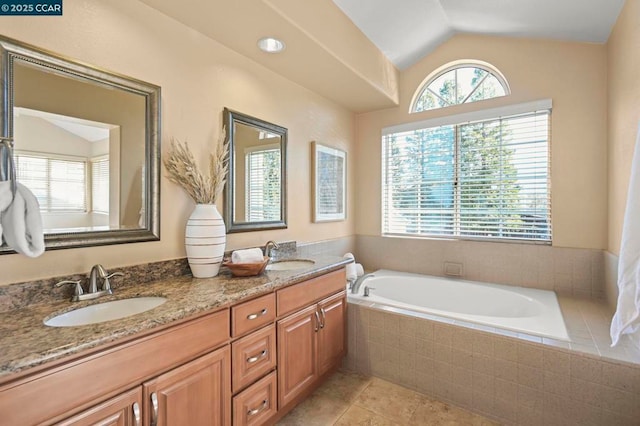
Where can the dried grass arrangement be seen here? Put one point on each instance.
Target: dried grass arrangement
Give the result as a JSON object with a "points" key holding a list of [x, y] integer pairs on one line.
{"points": [[183, 170]]}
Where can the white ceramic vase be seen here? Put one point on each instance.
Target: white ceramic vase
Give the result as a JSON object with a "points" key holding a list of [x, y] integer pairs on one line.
{"points": [[205, 240]]}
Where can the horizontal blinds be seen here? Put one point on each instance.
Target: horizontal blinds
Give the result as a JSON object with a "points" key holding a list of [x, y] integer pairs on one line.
{"points": [[483, 179], [263, 185], [58, 184], [100, 186]]}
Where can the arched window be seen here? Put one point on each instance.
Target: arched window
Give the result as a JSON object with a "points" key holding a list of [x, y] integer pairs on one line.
{"points": [[459, 83]]}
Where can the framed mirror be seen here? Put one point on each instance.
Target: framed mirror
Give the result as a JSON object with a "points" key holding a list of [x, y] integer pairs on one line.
{"points": [[256, 189], [86, 142]]}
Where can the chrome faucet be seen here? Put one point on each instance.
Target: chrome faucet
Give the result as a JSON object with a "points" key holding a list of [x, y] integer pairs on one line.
{"points": [[97, 273], [356, 285], [269, 246]]}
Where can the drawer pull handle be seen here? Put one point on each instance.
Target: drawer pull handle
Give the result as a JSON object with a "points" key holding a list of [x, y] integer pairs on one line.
{"points": [[317, 321], [136, 413], [255, 411], [253, 359], [257, 314], [154, 409], [324, 317]]}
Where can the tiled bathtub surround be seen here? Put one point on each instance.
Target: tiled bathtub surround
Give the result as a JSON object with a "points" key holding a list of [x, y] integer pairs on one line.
{"points": [[577, 272], [508, 378]]}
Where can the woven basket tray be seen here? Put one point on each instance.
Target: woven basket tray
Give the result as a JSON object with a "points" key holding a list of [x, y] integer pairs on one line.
{"points": [[246, 269]]}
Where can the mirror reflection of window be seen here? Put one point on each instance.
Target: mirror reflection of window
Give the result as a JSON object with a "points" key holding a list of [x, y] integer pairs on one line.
{"points": [[262, 165], [64, 161]]}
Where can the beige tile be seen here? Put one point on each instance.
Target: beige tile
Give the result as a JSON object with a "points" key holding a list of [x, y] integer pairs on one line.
{"points": [[392, 323], [424, 330], [587, 392], [531, 377], [483, 364], [506, 370], [389, 400], [461, 376], [362, 417], [556, 361], [586, 368], [317, 410], [407, 344], [531, 398], [530, 355], [462, 339], [462, 359], [506, 349], [434, 413], [483, 344], [376, 319], [556, 383], [443, 334], [506, 391], [408, 326], [425, 347], [344, 385], [621, 377], [442, 353], [376, 334]]}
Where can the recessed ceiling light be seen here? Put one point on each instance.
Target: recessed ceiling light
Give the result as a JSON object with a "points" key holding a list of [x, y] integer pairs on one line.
{"points": [[271, 45]]}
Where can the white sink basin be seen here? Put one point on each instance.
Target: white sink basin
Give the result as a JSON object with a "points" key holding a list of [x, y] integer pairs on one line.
{"points": [[289, 265], [106, 311]]}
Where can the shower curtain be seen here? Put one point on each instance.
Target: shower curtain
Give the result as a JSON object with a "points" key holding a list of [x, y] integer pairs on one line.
{"points": [[626, 320]]}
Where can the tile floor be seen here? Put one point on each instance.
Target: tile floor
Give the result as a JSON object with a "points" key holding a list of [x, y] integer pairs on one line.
{"points": [[351, 399]]}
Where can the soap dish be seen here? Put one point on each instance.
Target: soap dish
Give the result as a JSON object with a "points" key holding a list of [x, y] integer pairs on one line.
{"points": [[246, 269]]}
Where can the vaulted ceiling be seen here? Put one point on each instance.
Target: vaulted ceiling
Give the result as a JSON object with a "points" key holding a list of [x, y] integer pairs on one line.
{"points": [[351, 51]]}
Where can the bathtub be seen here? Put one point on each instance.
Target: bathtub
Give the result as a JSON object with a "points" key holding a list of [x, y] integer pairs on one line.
{"points": [[517, 309]]}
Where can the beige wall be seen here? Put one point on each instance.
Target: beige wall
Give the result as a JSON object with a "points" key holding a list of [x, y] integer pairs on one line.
{"points": [[573, 75], [623, 69], [199, 77]]}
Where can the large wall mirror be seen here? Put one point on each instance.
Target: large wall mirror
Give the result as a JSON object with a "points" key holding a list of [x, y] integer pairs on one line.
{"points": [[256, 189], [86, 143]]}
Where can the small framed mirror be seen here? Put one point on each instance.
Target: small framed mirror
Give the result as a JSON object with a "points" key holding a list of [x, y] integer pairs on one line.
{"points": [[86, 143], [256, 189]]}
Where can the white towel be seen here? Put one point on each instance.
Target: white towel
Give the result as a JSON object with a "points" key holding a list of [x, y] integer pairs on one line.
{"points": [[5, 200], [627, 317], [253, 255], [22, 224]]}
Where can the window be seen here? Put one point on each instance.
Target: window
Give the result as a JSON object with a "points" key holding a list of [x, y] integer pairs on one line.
{"points": [[486, 178], [262, 184], [58, 183], [100, 185], [459, 84]]}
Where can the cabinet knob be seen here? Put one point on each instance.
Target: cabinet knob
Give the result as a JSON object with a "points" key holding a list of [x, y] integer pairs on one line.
{"points": [[154, 409], [257, 314], [136, 413], [255, 411]]}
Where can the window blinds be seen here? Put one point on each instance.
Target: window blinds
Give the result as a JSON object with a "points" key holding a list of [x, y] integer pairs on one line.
{"points": [[486, 179], [263, 185], [58, 184], [100, 185]]}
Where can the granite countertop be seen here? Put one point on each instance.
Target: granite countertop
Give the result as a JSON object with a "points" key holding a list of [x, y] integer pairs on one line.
{"points": [[26, 342]]}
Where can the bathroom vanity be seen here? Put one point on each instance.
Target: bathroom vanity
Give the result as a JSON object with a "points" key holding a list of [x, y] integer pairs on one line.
{"points": [[221, 351]]}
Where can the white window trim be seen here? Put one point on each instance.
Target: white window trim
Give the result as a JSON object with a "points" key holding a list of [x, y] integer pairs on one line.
{"points": [[471, 63], [467, 117], [459, 119]]}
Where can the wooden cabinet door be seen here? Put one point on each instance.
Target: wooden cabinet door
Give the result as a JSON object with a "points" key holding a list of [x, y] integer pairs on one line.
{"points": [[297, 349], [331, 337], [122, 410], [195, 394]]}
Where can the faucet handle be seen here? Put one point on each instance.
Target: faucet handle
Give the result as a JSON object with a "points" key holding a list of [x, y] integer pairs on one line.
{"points": [[106, 286], [77, 292]]}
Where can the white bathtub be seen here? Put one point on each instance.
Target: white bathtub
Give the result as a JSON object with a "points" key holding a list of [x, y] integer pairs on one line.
{"points": [[519, 309]]}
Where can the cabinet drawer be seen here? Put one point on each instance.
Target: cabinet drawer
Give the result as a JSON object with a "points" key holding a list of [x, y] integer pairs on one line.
{"points": [[300, 295], [253, 356], [256, 404], [253, 314]]}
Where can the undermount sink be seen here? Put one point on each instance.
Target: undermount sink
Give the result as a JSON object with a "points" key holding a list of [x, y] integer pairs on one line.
{"points": [[106, 311], [289, 265]]}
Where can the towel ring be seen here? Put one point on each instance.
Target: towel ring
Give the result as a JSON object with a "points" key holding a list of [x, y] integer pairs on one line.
{"points": [[7, 166]]}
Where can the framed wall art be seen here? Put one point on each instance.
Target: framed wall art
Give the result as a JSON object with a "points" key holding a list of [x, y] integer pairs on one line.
{"points": [[329, 183]]}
